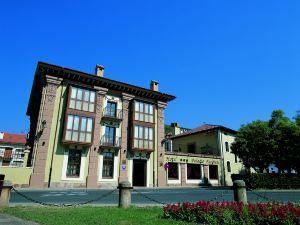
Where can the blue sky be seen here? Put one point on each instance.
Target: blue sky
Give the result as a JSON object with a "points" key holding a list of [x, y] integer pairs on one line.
{"points": [[228, 62]]}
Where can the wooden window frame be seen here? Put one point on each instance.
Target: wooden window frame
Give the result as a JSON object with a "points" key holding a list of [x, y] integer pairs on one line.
{"points": [[143, 139], [75, 151], [109, 160], [144, 111], [84, 90]]}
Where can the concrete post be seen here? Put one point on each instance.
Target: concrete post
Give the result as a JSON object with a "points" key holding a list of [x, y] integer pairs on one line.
{"points": [[124, 194], [239, 191], [5, 194]]}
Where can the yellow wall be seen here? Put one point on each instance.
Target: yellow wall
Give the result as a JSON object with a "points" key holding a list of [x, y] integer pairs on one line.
{"points": [[201, 140], [17, 175]]}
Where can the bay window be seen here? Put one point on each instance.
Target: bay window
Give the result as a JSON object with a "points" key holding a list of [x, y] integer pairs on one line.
{"points": [[82, 99], [143, 112], [79, 129], [143, 137]]}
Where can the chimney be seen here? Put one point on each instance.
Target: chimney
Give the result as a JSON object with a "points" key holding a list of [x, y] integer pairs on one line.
{"points": [[154, 85], [99, 71], [1, 135]]}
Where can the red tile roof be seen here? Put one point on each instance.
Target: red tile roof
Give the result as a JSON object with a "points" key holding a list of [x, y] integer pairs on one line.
{"points": [[203, 128], [13, 138]]}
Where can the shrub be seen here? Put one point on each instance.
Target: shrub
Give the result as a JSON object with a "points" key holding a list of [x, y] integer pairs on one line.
{"points": [[268, 180], [204, 212]]}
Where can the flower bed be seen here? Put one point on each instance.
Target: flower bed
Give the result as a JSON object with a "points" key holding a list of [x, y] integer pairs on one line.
{"points": [[204, 212]]}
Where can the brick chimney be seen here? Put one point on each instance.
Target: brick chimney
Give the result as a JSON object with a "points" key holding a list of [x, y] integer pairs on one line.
{"points": [[154, 85], [99, 71]]}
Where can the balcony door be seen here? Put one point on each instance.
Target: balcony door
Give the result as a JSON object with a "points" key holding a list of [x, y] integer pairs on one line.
{"points": [[111, 109], [110, 133]]}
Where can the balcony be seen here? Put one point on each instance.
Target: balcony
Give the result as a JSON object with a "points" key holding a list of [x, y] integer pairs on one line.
{"points": [[180, 148], [112, 114], [110, 142]]}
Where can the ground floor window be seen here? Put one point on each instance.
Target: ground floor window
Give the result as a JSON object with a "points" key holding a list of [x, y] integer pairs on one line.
{"points": [[228, 167], [213, 172], [193, 171], [108, 165], [74, 162], [173, 171]]}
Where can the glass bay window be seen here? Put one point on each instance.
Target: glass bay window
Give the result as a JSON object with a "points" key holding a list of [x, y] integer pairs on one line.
{"points": [[82, 99], [79, 129], [144, 112], [143, 137]]}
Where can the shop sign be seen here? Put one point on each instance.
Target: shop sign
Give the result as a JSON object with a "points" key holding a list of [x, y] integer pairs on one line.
{"points": [[191, 160]]}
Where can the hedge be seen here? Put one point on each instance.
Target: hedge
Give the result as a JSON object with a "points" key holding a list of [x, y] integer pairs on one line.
{"points": [[269, 180]]}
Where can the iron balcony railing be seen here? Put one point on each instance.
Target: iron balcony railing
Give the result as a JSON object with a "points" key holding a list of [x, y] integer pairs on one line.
{"points": [[109, 141], [112, 113]]}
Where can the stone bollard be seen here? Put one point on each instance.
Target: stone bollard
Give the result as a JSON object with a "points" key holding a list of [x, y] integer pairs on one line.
{"points": [[239, 191], [124, 194], [5, 194]]}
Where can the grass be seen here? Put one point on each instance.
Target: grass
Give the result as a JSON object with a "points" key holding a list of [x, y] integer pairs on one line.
{"points": [[91, 215]]}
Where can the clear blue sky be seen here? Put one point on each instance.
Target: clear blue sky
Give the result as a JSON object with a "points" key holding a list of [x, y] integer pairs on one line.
{"points": [[228, 62]]}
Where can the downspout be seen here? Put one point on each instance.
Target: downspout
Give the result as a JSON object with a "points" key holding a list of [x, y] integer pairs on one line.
{"points": [[222, 155], [55, 137]]}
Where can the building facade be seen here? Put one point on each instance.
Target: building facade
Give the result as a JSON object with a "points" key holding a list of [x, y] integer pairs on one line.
{"points": [[90, 131], [201, 156]]}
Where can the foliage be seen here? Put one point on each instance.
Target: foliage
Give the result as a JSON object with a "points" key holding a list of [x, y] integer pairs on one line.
{"points": [[269, 180], [277, 141], [90, 215], [204, 212], [168, 129]]}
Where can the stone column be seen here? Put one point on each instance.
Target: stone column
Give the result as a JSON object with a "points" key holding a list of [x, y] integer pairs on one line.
{"points": [[206, 178], [92, 178], [37, 178], [161, 172], [123, 174], [25, 159], [183, 168]]}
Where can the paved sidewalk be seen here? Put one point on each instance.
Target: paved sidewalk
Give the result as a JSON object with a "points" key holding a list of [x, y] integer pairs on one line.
{"points": [[11, 220]]}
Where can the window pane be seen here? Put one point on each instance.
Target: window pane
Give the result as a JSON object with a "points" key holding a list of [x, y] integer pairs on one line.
{"points": [[150, 144], [136, 144], [146, 145], [75, 136], [88, 137], [141, 107], [89, 125], [150, 133], [82, 137], [68, 135], [78, 105], [141, 117], [146, 118], [141, 144], [70, 122], [146, 133], [92, 96], [141, 132], [76, 123], [85, 106], [151, 109], [86, 95], [92, 107], [79, 94], [146, 108], [151, 119], [136, 106], [73, 92], [136, 131], [83, 124], [72, 104], [137, 115]]}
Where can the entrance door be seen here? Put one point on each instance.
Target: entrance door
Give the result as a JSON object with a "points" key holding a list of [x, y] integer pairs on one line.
{"points": [[139, 175]]}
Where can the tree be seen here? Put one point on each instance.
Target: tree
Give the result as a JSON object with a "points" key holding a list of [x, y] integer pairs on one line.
{"points": [[254, 145], [297, 118]]}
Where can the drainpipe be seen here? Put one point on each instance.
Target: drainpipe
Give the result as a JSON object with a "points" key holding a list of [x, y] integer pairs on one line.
{"points": [[55, 137], [222, 155]]}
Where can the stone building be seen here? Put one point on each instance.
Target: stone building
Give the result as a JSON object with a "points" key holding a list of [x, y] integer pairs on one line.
{"points": [[89, 131]]}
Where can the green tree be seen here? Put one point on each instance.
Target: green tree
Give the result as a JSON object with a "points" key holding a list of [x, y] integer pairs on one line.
{"points": [[254, 145]]}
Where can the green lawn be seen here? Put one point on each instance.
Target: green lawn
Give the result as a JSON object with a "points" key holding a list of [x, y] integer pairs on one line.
{"points": [[91, 215]]}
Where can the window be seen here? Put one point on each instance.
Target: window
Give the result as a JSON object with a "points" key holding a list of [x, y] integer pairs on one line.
{"points": [[108, 165], [143, 137], [82, 99], [191, 148], [168, 146], [109, 137], [143, 112], [111, 109], [226, 146], [74, 161], [193, 171], [213, 172], [173, 173], [235, 158], [7, 157], [228, 167], [79, 129]]}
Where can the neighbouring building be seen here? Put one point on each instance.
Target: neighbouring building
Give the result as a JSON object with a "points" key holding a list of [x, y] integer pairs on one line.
{"points": [[201, 156], [12, 147], [90, 131]]}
